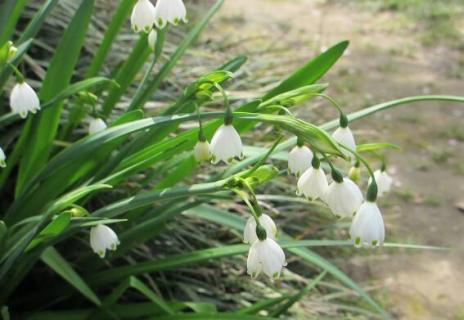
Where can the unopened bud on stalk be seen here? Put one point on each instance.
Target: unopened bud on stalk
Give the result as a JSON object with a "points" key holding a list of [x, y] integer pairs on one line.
{"points": [[2, 158], [355, 172]]}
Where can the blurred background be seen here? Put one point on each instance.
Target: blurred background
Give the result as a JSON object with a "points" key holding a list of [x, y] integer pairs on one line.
{"points": [[398, 48]]}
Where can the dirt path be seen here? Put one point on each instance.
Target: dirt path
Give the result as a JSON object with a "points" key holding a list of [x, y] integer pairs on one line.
{"points": [[385, 61]]}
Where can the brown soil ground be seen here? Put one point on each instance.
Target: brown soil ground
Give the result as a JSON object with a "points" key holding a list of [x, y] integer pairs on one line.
{"points": [[385, 60]]}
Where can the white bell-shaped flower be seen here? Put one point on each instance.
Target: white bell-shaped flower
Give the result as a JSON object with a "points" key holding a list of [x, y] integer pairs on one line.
{"points": [[345, 137], [265, 256], [343, 198], [152, 37], [143, 16], [299, 160], [367, 228], [2, 158], [103, 238], [384, 181], [249, 233], [172, 11], [23, 99], [313, 184], [202, 151], [226, 144], [96, 125]]}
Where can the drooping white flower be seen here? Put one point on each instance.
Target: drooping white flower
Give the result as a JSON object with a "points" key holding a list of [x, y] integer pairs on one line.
{"points": [[265, 256], [226, 144], [2, 158], [202, 151], [343, 198], [299, 160], [313, 183], [384, 181], [96, 125], [103, 238], [367, 228], [152, 36], [249, 233], [23, 99], [143, 16], [172, 11], [345, 137]]}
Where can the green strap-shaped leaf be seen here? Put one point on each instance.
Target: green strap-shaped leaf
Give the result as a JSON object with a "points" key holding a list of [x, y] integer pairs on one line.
{"points": [[55, 261], [35, 24], [127, 73], [58, 77], [52, 230], [310, 72], [297, 297], [368, 147], [117, 21], [10, 11]]}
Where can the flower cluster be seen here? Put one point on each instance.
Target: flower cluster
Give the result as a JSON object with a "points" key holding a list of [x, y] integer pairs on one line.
{"points": [[149, 18], [343, 196]]}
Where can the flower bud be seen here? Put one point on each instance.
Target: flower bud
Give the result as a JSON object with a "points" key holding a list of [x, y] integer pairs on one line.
{"points": [[2, 159], [202, 151]]}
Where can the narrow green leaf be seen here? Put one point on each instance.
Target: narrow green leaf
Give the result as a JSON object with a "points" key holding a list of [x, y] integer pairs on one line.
{"points": [[55, 261], [127, 73], [261, 305], [281, 309], [375, 146], [36, 23], [311, 71], [147, 292], [116, 22], [214, 316], [52, 230], [73, 196], [57, 79], [10, 11]]}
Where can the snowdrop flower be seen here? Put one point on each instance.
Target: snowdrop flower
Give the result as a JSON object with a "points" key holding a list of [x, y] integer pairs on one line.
{"points": [[384, 181], [344, 136], [299, 159], [343, 196], [152, 36], [367, 228], [143, 16], [96, 125], [313, 183], [2, 158], [202, 151], [103, 238], [226, 144], [23, 99], [265, 256], [172, 11], [249, 233]]}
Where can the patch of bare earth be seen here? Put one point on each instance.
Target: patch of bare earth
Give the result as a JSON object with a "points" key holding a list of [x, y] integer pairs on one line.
{"points": [[385, 61]]}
